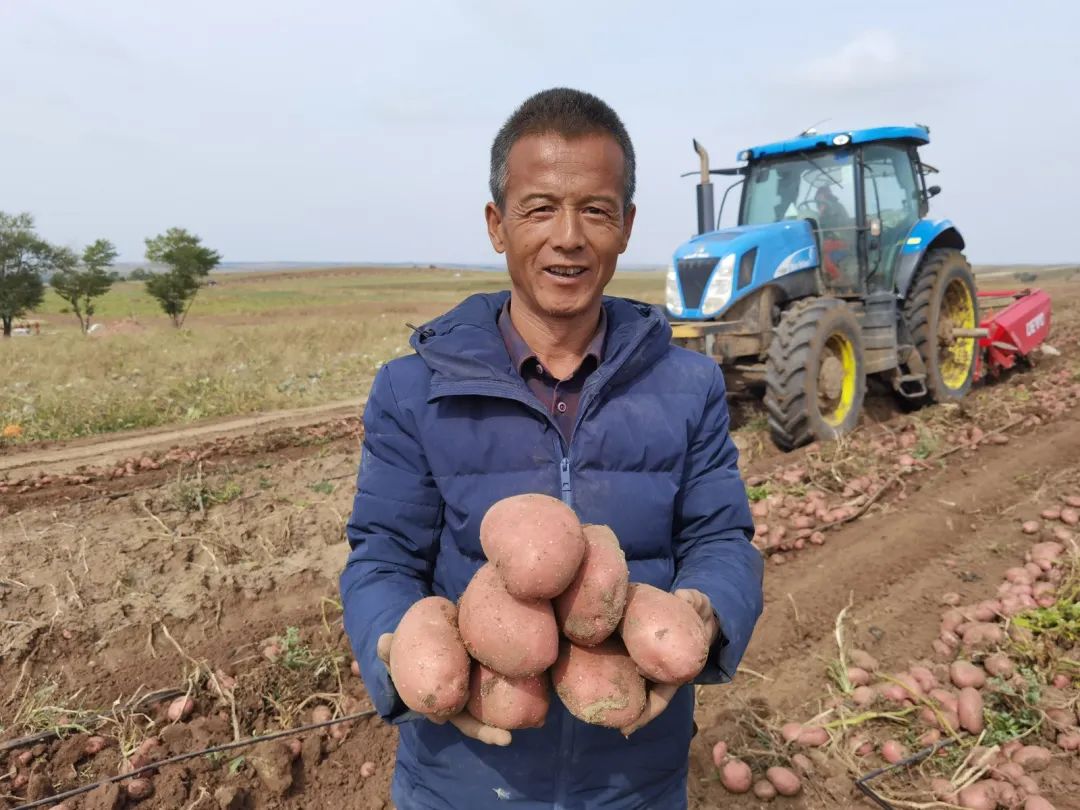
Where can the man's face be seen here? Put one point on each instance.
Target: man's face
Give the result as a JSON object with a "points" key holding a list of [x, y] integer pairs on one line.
{"points": [[563, 226]]}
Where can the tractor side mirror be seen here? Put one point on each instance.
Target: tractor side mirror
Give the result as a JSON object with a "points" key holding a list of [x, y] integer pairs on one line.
{"points": [[933, 191]]}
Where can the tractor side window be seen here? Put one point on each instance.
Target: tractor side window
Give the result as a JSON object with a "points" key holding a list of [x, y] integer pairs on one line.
{"points": [[892, 198]]}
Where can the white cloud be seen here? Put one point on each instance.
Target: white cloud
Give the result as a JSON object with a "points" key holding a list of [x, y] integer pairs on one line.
{"points": [[872, 61]]}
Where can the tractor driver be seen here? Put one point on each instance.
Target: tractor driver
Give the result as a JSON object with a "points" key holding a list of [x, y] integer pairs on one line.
{"points": [[832, 216], [836, 227]]}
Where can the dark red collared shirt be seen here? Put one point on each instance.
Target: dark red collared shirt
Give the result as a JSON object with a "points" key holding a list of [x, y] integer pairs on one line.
{"points": [[560, 397]]}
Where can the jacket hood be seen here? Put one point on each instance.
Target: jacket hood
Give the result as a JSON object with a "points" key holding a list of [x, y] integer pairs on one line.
{"points": [[465, 345]]}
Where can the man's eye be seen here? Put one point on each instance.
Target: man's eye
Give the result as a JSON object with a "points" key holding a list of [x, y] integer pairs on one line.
{"points": [[594, 211], [543, 209]]}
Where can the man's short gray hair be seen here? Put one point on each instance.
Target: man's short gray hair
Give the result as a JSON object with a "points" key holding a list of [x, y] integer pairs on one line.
{"points": [[565, 112]]}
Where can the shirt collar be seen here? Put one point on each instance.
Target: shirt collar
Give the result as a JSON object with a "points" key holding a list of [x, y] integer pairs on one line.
{"points": [[519, 350]]}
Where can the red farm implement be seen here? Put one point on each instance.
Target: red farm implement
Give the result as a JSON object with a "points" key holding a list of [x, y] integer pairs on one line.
{"points": [[1014, 323]]}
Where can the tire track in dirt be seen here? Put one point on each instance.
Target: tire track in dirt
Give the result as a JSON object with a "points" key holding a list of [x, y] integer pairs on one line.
{"points": [[107, 449]]}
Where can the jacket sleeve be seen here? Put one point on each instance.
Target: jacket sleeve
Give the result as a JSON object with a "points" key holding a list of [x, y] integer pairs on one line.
{"points": [[393, 536], [712, 533]]}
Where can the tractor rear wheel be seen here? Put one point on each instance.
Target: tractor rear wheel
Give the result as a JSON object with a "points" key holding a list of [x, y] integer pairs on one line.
{"points": [[814, 380], [942, 298]]}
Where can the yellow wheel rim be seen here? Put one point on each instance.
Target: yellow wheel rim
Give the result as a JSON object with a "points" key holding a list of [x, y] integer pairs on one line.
{"points": [[956, 353], [837, 380]]}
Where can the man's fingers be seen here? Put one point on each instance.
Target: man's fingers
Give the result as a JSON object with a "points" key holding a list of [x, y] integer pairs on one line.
{"points": [[658, 699], [703, 607], [382, 648], [471, 727]]}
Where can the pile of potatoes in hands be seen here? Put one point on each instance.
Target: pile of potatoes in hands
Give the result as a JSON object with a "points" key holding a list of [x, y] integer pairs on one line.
{"points": [[553, 606]]}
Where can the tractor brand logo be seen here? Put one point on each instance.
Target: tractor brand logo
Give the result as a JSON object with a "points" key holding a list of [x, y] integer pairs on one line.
{"points": [[1035, 324]]}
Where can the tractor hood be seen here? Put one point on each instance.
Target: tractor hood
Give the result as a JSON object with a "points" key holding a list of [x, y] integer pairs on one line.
{"points": [[714, 270]]}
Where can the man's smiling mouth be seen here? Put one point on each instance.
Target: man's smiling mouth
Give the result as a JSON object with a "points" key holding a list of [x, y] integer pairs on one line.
{"points": [[565, 272]]}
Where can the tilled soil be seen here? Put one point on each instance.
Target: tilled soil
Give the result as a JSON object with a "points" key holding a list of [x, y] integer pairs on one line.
{"points": [[182, 564]]}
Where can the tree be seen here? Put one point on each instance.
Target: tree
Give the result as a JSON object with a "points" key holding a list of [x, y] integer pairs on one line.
{"points": [[188, 262], [24, 258], [80, 286]]}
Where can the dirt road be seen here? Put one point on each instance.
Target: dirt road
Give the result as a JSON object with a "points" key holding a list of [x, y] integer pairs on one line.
{"points": [[188, 572]]}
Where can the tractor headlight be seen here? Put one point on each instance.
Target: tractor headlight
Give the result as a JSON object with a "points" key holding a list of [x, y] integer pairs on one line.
{"points": [[720, 287], [674, 298]]}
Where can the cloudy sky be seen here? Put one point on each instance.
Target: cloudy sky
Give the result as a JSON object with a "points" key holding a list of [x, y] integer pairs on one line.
{"points": [[324, 131]]}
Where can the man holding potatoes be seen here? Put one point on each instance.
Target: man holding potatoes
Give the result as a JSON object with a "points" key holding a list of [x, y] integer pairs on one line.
{"points": [[580, 402]]}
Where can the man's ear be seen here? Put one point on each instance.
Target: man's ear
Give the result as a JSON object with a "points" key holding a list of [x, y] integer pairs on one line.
{"points": [[494, 219], [628, 226]]}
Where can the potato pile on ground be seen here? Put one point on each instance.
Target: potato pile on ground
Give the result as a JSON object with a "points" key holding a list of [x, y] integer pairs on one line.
{"points": [[552, 607], [995, 706]]}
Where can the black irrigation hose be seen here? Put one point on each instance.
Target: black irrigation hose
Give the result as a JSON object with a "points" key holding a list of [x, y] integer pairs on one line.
{"points": [[290, 732], [868, 791], [153, 697]]}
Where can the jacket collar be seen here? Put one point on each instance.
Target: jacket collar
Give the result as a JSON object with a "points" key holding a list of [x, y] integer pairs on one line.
{"points": [[466, 353]]}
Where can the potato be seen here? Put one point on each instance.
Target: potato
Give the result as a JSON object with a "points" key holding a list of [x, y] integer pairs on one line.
{"points": [[764, 790], [535, 543], [813, 737], [601, 684], [863, 695], [719, 753], [735, 776], [791, 731], [590, 608], [1032, 758], [970, 710], [981, 795], [512, 636], [924, 677], [180, 709], [1030, 527], [944, 697], [999, 665], [428, 662], [858, 676], [863, 660], [892, 751], [964, 673], [664, 635], [1037, 803], [785, 781], [139, 789], [508, 703], [1069, 742]]}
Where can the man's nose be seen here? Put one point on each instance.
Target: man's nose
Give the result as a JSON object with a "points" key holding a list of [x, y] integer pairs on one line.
{"points": [[568, 233]]}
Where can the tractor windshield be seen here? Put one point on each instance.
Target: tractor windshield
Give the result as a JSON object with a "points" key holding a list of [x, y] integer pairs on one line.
{"points": [[819, 186]]}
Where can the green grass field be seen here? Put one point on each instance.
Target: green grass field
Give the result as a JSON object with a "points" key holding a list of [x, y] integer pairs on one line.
{"points": [[251, 343]]}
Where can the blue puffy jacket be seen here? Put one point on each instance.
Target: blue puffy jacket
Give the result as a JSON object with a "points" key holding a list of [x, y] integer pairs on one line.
{"points": [[452, 429]]}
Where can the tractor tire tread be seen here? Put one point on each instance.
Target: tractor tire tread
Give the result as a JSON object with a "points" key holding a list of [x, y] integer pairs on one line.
{"points": [[786, 363]]}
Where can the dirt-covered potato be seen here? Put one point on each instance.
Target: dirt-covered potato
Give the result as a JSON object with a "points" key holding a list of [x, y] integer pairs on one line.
{"points": [[508, 703], [664, 635], [600, 684], [512, 636], [535, 542], [591, 607], [428, 662]]}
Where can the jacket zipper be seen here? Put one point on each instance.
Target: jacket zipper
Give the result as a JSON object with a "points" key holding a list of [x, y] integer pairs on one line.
{"points": [[564, 478]]}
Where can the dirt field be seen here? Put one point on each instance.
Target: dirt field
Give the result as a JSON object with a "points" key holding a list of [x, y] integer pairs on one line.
{"points": [[187, 559]]}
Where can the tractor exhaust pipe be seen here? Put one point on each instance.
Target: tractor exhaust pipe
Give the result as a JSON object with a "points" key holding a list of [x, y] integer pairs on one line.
{"points": [[704, 193]]}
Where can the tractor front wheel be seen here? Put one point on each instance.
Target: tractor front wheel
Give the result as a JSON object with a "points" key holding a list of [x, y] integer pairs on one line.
{"points": [[942, 299], [814, 382]]}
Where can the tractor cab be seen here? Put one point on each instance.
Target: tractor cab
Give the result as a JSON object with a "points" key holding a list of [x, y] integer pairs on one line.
{"points": [[843, 205]]}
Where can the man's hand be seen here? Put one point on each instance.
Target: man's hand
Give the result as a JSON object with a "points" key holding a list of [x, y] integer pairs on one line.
{"points": [[660, 694], [463, 721], [703, 607]]}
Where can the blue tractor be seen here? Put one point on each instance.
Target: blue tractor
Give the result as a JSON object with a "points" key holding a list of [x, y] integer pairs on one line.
{"points": [[835, 274]]}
